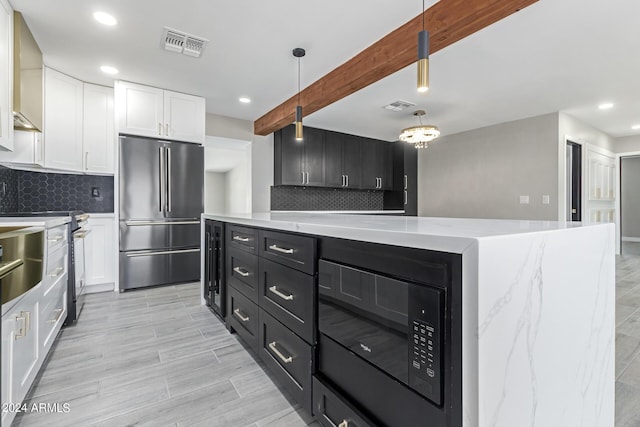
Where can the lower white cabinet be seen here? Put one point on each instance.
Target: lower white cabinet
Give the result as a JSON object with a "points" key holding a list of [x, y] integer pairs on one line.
{"points": [[99, 253], [20, 351]]}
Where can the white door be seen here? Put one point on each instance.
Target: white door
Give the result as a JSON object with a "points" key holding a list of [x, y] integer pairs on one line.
{"points": [[139, 109], [184, 117], [62, 121], [98, 129], [600, 186], [6, 70]]}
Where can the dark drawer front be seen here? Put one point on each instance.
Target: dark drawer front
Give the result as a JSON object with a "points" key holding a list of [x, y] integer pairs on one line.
{"points": [[242, 273], [243, 318], [331, 410], [243, 238], [294, 251], [288, 357], [287, 295]]}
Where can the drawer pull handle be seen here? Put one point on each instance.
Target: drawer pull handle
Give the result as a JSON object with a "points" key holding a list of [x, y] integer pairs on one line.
{"points": [[56, 238], [240, 316], [57, 272], [279, 249], [241, 239], [58, 312], [22, 332], [241, 272], [344, 423], [275, 290], [273, 347]]}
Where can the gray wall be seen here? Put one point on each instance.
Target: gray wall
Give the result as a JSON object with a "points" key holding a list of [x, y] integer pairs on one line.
{"points": [[627, 144], [630, 197], [481, 173], [215, 192]]}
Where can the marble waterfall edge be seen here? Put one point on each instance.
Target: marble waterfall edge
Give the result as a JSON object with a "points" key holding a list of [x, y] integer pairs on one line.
{"points": [[539, 341]]}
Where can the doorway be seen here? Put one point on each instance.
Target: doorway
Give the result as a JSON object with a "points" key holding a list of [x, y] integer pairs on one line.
{"points": [[630, 205], [574, 181]]}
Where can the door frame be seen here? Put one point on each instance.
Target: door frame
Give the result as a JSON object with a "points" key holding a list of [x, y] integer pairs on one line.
{"points": [[562, 205], [619, 157]]}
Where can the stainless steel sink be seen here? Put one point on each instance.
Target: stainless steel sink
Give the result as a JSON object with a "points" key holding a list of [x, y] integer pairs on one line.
{"points": [[21, 260]]}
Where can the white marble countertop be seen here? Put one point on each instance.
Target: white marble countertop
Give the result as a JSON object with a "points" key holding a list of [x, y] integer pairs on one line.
{"points": [[34, 221], [378, 212], [442, 234]]}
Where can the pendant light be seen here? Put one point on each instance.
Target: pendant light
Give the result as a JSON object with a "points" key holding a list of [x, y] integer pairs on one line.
{"points": [[299, 53], [420, 136], [423, 57]]}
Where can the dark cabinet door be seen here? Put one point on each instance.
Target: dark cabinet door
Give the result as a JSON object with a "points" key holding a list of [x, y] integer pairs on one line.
{"points": [[208, 258], [333, 167], [290, 155], [410, 180], [351, 161], [386, 166], [370, 164], [314, 157]]}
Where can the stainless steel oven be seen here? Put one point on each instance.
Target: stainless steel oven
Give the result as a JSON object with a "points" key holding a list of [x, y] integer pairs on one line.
{"points": [[79, 264]]}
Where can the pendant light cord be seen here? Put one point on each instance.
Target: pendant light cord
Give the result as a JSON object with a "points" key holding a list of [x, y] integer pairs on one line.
{"points": [[422, 15], [299, 80]]}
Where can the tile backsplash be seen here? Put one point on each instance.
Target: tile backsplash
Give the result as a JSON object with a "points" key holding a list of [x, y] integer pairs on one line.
{"points": [[324, 199], [26, 191]]}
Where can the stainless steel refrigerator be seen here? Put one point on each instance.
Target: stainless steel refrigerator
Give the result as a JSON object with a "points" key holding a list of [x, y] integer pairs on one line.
{"points": [[161, 185]]}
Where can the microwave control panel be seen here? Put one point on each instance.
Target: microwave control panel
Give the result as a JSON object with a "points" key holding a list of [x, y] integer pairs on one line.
{"points": [[425, 341]]}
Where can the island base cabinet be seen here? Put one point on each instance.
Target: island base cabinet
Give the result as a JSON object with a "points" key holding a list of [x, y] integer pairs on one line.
{"points": [[331, 410], [288, 357], [242, 317]]}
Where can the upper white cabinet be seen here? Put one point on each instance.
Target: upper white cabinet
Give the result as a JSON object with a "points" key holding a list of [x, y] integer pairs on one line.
{"points": [[153, 112], [6, 71], [98, 129], [62, 121]]}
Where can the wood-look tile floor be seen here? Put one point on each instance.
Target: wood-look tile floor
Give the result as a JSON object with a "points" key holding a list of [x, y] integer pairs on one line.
{"points": [[156, 357]]}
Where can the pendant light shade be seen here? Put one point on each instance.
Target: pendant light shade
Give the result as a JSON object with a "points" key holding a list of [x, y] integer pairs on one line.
{"points": [[299, 53], [423, 61], [423, 57]]}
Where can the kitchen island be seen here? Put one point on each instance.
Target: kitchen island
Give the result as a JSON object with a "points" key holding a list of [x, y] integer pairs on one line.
{"points": [[521, 315]]}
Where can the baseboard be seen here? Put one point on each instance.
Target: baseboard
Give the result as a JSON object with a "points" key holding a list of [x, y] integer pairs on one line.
{"points": [[102, 287]]}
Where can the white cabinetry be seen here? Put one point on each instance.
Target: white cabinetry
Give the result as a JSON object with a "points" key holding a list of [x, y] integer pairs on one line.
{"points": [[20, 350], [62, 121], [6, 70], [28, 149], [153, 112], [100, 253], [98, 129]]}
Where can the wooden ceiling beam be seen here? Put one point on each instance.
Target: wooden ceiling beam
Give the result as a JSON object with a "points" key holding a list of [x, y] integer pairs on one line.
{"points": [[448, 21]]}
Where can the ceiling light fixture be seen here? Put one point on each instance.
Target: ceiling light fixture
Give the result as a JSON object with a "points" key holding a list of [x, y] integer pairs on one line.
{"points": [[299, 53], [244, 100], [104, 18], [635, 127], [421, 135], [108, 69], [605, 106], [423, 57]]}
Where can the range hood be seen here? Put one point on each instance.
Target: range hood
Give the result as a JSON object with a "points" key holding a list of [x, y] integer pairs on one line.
{"points": [[27, 78]]}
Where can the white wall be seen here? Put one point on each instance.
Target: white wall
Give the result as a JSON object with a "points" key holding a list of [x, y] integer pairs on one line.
{"points": [[627, 144], [481, 173], [214, 192], [238, 186], [581, 132], [260, 162]]}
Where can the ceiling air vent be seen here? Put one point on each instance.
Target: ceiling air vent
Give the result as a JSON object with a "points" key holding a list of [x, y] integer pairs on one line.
{"points": [[181, 42], [399, 105]]}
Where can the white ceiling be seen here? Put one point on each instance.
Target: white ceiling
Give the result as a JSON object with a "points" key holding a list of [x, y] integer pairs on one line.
{"points": [[556, 55]]}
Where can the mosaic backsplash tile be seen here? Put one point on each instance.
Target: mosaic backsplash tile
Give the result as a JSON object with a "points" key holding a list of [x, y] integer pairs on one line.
{"points": [[324, 199], [40, 191]]}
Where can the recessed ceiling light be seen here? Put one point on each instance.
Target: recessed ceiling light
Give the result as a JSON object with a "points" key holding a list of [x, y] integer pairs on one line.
{"points": [[605, 106], [244, 100], [104, 18], [635, 127], [108, 70]]}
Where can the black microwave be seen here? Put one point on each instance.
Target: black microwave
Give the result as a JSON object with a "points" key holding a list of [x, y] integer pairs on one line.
{"points": [[394, 325]]}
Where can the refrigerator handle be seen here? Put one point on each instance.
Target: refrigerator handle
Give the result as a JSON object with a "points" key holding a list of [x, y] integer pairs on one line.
{"points": [[161, 173], [169, 189]]}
